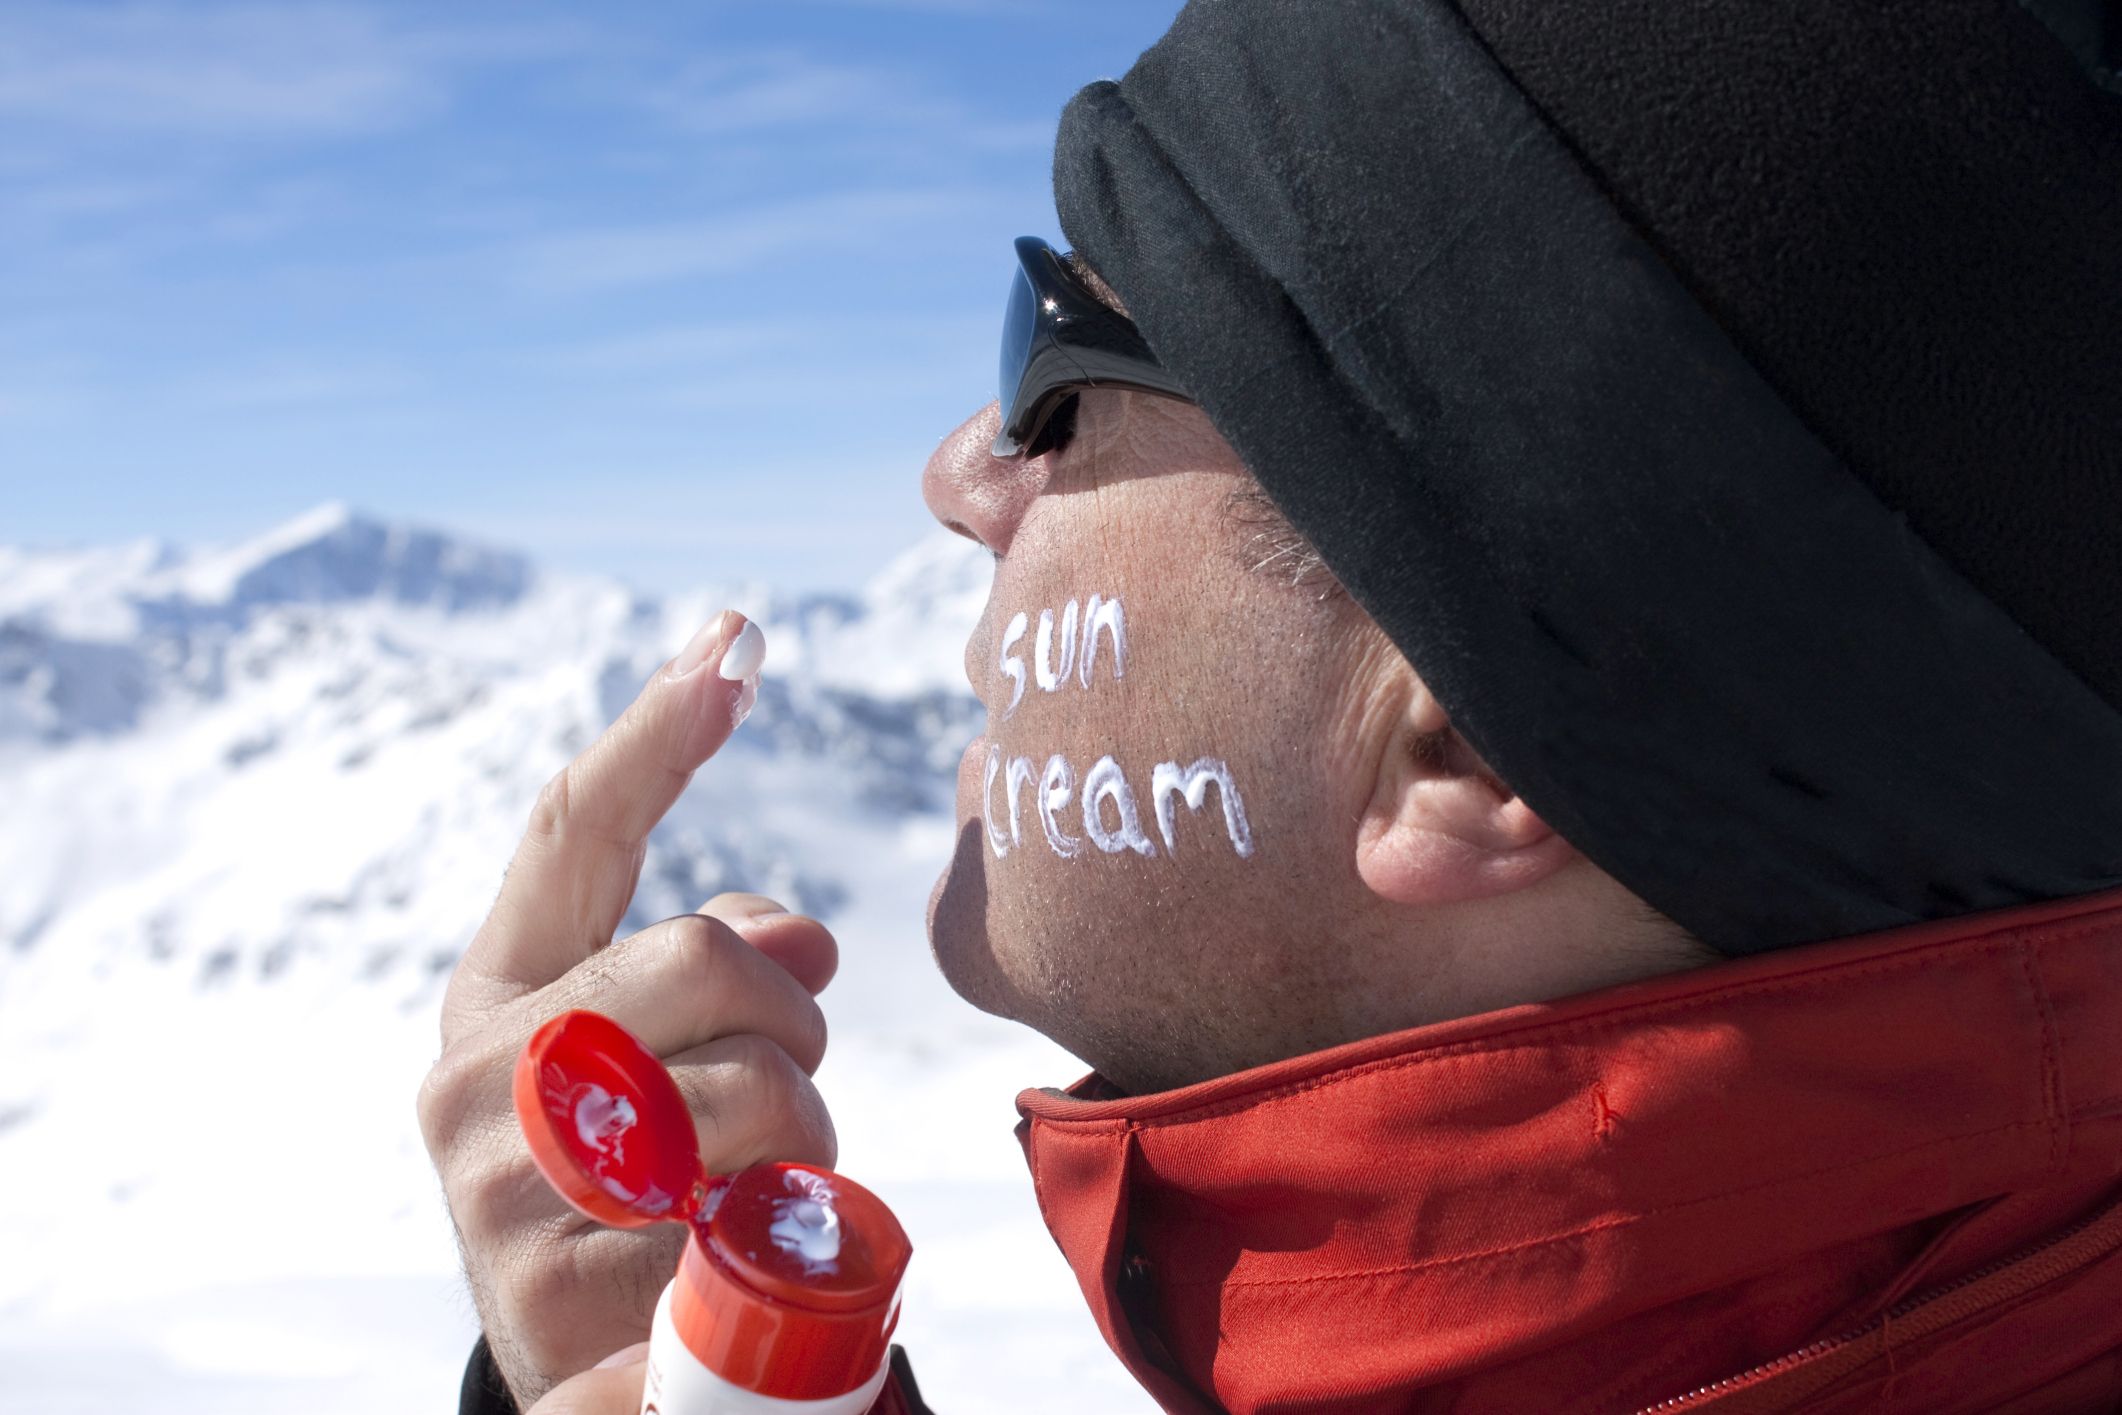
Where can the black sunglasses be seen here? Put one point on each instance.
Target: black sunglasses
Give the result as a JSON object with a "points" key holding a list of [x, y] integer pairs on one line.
{"points": [[1057, 339]]}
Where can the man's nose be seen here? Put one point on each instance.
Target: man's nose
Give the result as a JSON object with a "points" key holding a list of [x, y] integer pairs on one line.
{"points": [[976, 493]]}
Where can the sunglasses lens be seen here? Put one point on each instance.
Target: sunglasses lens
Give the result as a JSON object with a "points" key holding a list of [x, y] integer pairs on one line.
{"points": [[1019, 326]]}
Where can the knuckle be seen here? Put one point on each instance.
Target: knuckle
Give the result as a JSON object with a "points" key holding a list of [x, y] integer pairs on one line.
{"points": [[811, 1038], [473, 1195], [814, 1132], [709, 963], [443, 1099], [761, 1106], [697, 952], [696, 932], [550, 810], [763, 1076]]}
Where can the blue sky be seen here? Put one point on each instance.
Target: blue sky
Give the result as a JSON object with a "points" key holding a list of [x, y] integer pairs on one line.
{"points": [[679, 291]]}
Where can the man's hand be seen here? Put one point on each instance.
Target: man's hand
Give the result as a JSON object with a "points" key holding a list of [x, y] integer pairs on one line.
{"points": [[724, 996]]}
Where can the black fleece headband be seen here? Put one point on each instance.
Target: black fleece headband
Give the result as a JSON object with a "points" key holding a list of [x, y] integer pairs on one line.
{"points": [[1674, 621]]}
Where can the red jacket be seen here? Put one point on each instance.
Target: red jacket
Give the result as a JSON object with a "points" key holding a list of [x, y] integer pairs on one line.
{"points": [[1879, 1173]]}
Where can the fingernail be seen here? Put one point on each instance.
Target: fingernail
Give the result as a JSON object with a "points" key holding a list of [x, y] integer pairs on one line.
{"points": [[745, 655], [700, 645], [747, 698], [637, 1352], [758, 906]]}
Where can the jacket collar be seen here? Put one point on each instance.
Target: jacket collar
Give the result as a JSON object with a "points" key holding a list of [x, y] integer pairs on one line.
{"points": [[1525, 1204]]}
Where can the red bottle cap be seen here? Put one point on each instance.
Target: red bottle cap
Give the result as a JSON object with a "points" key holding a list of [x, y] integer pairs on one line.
{"points": [[790, 1283], [606, 1122]]}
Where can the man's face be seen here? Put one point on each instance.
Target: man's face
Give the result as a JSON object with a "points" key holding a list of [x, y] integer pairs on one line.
{"points": [[1154, 847]]}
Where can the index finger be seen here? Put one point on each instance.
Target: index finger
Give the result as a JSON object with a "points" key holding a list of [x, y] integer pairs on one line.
{"points": [[574, 872]]}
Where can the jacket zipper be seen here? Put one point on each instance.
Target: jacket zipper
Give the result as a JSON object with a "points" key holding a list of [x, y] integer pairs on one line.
{"points": [[2087, 1241]]}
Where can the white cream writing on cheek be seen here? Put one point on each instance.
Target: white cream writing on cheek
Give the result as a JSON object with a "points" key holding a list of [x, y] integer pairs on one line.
{"points": [[1013, 666], [1050, 674], [987, 802], [1168, 779], [1056, 786], [1105, 613], [1020, 774], [1071, 643], [1063, 647], [1106, 782]]}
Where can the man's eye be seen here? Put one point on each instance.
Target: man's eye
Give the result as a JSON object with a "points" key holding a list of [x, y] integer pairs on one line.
{"points": [[1060, 429]]}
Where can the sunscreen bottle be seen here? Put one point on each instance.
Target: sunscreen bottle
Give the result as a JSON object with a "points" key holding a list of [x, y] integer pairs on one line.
{"points": [[785, 1299]]}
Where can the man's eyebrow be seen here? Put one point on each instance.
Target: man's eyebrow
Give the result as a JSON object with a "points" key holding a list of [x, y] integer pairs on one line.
{"points": [[1105, 293]]}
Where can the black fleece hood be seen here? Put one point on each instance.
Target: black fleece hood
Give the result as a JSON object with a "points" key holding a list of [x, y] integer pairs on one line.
{"points": [[1720, 404]]}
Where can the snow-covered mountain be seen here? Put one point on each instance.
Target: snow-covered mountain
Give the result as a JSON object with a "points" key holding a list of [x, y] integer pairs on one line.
{"points": [[254, 799]]}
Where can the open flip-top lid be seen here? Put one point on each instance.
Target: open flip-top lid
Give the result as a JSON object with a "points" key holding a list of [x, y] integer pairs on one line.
{"points": [[606, 1123]]}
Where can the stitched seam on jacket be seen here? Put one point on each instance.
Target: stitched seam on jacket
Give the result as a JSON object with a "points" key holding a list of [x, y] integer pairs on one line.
{"points": [[2051, 1060], [1602, 1225], [1543, 1035]]}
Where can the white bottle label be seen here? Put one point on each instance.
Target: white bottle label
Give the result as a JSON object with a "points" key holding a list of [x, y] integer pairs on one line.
{"points": [[678, 1384]]}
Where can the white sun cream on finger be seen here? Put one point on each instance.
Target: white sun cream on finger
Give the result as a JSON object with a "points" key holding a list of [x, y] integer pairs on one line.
{"points": [[745, 655]]}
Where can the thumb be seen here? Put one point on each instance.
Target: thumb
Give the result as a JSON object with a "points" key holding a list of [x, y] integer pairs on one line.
{"points": [[604, 1389]]}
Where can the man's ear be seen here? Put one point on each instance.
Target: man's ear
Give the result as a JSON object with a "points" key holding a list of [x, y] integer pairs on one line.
{"points": [[1440, 827]]}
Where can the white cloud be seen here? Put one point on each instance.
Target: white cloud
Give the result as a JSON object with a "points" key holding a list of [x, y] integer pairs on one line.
{"points": [[656, 252], [758, 90], [1006, 9], [23, 404], [729, 93], [230, 70], [290, 384], [678, 347], [71, 198]]}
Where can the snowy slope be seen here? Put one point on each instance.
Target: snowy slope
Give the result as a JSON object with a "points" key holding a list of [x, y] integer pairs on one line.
{"points": [[255, 798]]}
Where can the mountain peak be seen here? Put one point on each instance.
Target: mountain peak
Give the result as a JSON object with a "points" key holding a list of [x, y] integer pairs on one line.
{"points": [[333, 552]]}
